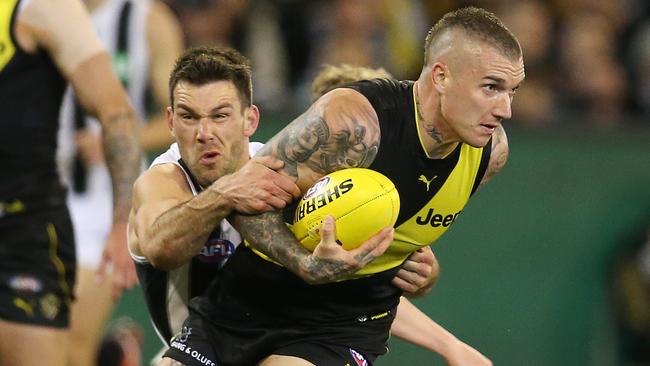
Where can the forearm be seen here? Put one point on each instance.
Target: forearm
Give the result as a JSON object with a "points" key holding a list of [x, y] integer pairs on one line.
{"points": [[180, 233], [123, 158], [413, 326], [269, 234]]}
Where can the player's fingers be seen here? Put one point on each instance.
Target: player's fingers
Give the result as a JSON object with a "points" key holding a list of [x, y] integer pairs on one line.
{"points": [[274, 203], [412, 277], [425, 255], [130, 275], [384, 242], [404, 285], [422, 255], [288, 186], [327, 233], [102, 268], [373, 247], [423, 269], [283, 194], [269, 162], [117, 292], [119, 281]]}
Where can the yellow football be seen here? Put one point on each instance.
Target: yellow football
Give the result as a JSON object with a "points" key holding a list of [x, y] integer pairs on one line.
{"points": [[362, 201]]}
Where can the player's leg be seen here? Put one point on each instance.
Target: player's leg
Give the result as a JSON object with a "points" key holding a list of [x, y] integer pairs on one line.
{"points": [[30, 345], [36, 278], [91, 213], [315, 353], [90, 312], [279, 360], [166, 361]]}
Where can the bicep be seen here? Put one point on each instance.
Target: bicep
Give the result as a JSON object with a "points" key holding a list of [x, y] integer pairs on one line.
{"points": [[340, 130], [154, 194], [499, 155], [65, 30]]}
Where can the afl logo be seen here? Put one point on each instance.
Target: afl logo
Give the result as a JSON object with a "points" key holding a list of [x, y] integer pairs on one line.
{"points": [[316, 188], [216, 250]]}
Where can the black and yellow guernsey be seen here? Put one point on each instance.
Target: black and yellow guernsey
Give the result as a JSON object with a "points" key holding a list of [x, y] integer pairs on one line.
{"points": [[257, 306], [31, 90], [432, 192]]}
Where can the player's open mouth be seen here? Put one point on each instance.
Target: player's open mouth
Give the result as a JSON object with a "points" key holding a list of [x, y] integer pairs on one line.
{"points": [[488, 128], [209, 157]]}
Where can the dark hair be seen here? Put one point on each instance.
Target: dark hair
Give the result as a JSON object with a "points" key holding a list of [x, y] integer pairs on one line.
{"points": [[202, 65], [478, 24]]}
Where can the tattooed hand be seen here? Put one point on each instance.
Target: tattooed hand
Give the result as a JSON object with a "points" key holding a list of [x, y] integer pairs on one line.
{"points": [[330, 262]]}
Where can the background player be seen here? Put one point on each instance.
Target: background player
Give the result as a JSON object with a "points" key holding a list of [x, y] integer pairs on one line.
{"points": [[43, 47], [143, 38]]}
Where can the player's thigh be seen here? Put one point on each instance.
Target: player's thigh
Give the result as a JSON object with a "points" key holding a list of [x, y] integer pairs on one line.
{"points": [[279, 360], [166, 361], [90, 312], [31, 345]]}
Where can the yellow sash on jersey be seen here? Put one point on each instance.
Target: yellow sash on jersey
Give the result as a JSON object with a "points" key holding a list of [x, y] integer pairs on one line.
{"points": [[433, 219]]}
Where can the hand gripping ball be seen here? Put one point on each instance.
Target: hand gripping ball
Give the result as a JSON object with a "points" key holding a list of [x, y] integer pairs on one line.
{"points": [[362, 201]]}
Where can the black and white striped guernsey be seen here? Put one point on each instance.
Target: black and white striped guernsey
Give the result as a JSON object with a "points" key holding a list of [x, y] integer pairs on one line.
{"points": [[167, 293]]}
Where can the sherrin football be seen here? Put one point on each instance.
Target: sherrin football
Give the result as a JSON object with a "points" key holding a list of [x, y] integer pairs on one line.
{"points": [[362, 202]]}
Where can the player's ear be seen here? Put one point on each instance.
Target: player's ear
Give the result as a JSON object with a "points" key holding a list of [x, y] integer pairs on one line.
{"points": [[251, 120], [439, 76], [170, 120]]}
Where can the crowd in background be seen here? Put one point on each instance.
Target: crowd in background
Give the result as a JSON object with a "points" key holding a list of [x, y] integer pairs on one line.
{"points": [[587, 61]]}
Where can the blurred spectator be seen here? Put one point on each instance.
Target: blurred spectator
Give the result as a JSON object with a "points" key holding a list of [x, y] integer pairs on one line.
{"points": [[586, 60], [532, 23], [209, 22], [352, 34], [592, 80], [640, 69], [405, 28]]}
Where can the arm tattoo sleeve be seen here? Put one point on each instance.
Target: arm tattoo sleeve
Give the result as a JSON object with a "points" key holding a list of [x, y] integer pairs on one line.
{"points": [[312, 146], [123, 160]]}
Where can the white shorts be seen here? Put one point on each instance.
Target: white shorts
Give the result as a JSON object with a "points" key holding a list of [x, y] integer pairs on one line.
{"points": [[92, 216]]}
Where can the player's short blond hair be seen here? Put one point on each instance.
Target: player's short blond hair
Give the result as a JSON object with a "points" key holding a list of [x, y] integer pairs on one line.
{"points": [[332, 76]]}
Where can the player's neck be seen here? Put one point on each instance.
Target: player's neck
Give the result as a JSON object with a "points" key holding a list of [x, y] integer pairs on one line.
{"points": [[432, 132]]}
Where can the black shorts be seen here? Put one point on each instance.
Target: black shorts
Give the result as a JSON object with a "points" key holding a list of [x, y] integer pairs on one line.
{"points": [[195, 346], [37, 267], [255, 308]]}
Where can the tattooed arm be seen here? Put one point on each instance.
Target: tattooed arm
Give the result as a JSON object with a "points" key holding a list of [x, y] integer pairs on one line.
{"points": [[340, 130], [66, 32], [499, 155]]}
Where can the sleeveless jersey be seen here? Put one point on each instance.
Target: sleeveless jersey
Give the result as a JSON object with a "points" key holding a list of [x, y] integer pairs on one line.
{"points": [[167, 293], [432, 192], [31, 89], [357, 312]]}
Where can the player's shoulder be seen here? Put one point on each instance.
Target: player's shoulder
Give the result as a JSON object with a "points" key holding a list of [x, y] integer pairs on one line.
{"points": [[342, 100], [158, 176]]}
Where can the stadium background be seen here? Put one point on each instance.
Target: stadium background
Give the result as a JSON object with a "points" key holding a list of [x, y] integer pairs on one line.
{"points": [[528, 269]]}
